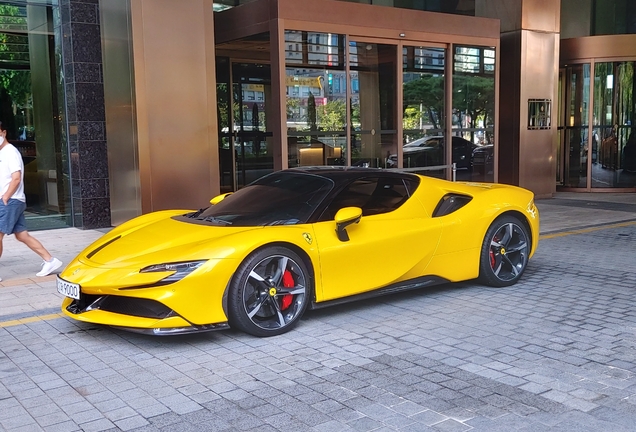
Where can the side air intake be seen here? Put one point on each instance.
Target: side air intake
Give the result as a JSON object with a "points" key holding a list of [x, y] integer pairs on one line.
{"points": [[450, 203]]}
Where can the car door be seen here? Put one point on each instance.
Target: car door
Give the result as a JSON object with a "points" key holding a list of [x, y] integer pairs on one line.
{"points": [[394, 240]]}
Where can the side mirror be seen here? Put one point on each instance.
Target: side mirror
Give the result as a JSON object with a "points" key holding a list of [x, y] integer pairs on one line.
{"points": [[217, 199], [345, 217]]}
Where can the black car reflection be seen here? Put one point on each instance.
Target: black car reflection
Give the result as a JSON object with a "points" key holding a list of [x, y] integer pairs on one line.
{"points": [[484, 159], [429, 151]]}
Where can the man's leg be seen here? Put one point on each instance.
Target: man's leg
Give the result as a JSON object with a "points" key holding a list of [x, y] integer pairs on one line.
{"points": [[50, 263], [1, 238], [15, 209], [33, 244]]}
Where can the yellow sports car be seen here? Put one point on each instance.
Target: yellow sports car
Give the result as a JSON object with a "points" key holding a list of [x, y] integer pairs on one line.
{"points": [[296, 239]]}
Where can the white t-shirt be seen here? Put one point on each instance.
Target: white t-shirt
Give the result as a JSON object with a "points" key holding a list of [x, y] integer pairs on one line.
{"points": [[10, 162]]}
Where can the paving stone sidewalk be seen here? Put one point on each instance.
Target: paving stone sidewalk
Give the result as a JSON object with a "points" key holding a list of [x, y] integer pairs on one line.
{"points": [[556, 352]]}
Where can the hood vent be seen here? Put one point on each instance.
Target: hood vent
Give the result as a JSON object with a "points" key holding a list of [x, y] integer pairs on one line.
{"points": [[93, 252]]}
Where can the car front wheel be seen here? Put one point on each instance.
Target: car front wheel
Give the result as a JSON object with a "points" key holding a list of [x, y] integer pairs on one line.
{"points": [[504, 252], [269, 293]]}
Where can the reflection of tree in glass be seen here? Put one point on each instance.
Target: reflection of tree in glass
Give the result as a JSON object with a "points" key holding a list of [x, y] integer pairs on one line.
{"points": [[293, 108], [474, 97], [411, 119], [222, 105], [12, 17], [332, 115], [627, 85], [311, 112], [426, 92], [15, 84]]}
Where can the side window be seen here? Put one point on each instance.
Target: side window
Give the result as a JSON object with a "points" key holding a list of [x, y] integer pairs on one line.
{"points": [[373, 195]]}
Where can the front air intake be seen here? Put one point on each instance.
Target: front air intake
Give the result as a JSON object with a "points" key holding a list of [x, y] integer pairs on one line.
{"points": [[131, 306]]}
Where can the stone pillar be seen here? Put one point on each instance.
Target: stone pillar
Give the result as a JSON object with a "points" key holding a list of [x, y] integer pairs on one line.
{"points": [[82, 58], [175, 102], [529, 70]]}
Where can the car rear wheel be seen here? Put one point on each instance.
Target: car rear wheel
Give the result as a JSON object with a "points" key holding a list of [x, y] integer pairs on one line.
{"points": [[269, 293], [504, 252]]}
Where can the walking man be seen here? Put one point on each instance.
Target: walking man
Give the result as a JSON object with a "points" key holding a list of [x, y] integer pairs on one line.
{"points": [[13, 204]]}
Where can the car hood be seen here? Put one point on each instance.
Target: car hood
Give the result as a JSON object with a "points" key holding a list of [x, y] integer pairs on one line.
{"points": [[487, 148], [417, 149], [160, 241]]}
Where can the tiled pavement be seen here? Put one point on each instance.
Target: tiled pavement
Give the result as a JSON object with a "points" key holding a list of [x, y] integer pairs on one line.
{"points": [[556, 352]]}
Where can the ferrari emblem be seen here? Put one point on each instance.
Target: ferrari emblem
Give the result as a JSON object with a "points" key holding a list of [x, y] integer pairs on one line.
{"points": [[307, 237], [503, 251], [272, 292]]}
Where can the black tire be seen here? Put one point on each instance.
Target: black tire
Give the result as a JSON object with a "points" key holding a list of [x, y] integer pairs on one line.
{"points": [[260, 300], [504, 252]]}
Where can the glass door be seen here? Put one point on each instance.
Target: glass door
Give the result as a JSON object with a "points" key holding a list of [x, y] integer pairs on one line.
{"points": [[253, 142], [613, 139], [226, 134], [245, 140], [473, 120], [575, 151], [560, 128], [316, 103], [423, 101], [372, 81]]}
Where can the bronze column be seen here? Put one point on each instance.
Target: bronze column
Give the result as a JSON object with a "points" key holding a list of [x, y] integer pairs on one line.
{"points": [[529, 61]]}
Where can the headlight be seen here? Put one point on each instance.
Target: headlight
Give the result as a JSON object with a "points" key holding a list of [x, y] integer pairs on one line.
{"points": [[180, 269]]}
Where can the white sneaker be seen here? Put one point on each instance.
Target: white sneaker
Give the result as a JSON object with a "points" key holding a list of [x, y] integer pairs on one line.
{"points": [[49, 267]]}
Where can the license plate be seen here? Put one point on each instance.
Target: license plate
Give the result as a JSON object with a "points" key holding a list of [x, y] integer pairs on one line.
{"points": [[68, 289]]}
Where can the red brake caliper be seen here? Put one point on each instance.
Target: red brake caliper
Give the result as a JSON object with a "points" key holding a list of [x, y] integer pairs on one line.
{"points": [[288, 282], [493, 261]]}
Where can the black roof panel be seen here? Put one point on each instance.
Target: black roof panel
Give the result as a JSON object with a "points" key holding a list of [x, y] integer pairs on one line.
{"points": [[341, 174]]}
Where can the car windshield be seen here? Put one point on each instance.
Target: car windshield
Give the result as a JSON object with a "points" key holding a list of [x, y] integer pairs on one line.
{"points": [[281, 198]]}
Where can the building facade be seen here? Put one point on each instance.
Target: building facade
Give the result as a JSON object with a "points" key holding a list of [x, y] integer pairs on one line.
{"points": [[122, 107]]}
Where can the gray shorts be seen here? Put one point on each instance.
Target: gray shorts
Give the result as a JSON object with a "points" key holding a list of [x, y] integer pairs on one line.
{"points": [[12, 217]]}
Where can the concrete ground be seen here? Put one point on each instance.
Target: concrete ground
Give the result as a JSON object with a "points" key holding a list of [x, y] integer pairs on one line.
{"points": [[555, 352]]}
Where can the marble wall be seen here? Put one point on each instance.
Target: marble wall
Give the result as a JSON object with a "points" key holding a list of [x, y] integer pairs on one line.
{"points": [[84, 88]]}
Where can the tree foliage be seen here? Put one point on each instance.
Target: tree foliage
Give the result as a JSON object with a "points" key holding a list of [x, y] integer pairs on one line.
{"points": [[474, 96], [332, 115], [15, 85], [426, 92]]}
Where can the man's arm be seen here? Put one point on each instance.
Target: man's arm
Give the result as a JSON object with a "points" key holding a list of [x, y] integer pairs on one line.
{"points": [[16, 177]]}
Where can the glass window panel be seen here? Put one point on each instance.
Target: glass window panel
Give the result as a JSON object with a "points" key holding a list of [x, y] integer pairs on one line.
{"points": [[373, 103], [312, 48], [473, 113], [33, 115], [246, 143], [613, 17], [316, 102], [226, 148], [423, 108], [464, 7], [613, 140], [576, 128]]}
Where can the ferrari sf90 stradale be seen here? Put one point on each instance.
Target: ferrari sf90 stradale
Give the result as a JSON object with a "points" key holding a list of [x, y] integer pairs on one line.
{"points": [[297, 239]]}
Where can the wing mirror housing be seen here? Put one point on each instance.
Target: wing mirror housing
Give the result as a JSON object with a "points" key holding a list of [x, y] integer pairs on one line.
{"points": [[345, 217], [217, 199]]}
